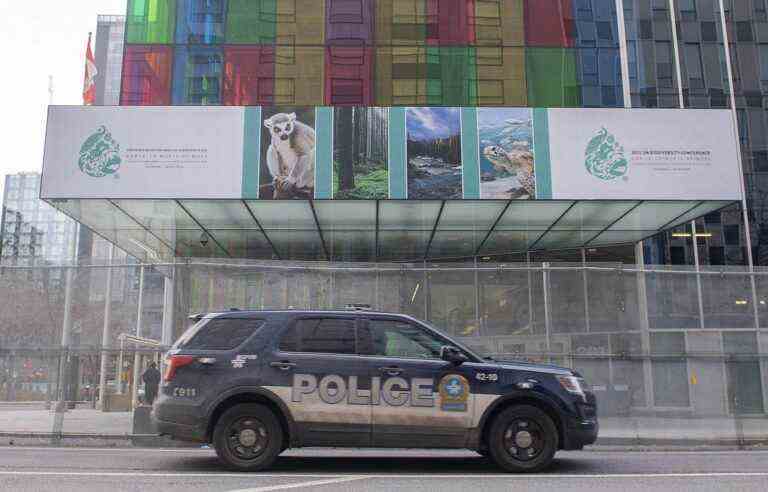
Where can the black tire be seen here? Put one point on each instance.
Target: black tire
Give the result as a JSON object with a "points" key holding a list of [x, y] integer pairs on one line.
{"points": [[522, 439], [248, 437]]}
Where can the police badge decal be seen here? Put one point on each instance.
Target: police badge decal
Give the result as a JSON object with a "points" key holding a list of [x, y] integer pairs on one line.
{"points": [[454, 393]]}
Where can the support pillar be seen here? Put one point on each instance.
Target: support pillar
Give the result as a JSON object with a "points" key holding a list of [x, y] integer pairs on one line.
{"points": [[136, 355], [106, 333]]}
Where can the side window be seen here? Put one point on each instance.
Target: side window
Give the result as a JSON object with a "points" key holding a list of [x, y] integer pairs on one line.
{"points": [[320, 335], [400, 339], [218, 334]]}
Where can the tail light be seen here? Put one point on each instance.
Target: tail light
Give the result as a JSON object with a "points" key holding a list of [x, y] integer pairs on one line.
{"points": [[174, 363]]}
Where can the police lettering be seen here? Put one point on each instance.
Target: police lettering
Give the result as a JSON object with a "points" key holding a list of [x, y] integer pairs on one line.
{"points": [[393, 391]]}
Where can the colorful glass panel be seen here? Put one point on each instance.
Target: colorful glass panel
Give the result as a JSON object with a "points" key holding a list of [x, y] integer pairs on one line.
{"points": [[249, 76], [251, 21], [349, 22], [450, 22], [200, 21], [197, 76], [147, 76], [348, 76], [150, 21], [549, 23]]}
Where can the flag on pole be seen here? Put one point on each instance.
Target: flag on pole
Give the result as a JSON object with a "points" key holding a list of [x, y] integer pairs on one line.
{"points": [[89, 86]]}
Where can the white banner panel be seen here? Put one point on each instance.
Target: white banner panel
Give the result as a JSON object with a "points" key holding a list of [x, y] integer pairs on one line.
{"points": [[653, 154], [157, 152]]}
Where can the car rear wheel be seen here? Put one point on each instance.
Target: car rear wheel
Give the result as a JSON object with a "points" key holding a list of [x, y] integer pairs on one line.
{"points": [[248, 437], [523, 439]]}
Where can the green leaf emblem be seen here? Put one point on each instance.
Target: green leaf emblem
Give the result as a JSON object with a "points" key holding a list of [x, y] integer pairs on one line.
{"points": [[100, 154], [605, 157]]}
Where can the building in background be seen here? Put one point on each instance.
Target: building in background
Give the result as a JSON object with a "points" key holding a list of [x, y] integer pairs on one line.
{"points": [[33, 232], [110, 34]]}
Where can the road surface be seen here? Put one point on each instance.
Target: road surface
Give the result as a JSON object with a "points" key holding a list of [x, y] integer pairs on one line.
{"points": [[128, 469]]}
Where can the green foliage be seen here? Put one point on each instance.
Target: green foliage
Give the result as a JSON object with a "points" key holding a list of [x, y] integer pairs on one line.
{"points": [[371, 186]]}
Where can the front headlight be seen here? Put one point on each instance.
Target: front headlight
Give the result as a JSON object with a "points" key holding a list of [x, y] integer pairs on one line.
{"points": [[572, 384]]}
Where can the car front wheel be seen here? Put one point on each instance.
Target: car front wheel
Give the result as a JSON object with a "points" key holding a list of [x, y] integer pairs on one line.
{"points": [[248, 437], [523, 439]]}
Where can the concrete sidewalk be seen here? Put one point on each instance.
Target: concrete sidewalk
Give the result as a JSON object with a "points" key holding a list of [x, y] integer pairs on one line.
{"points": [[35, 419]]}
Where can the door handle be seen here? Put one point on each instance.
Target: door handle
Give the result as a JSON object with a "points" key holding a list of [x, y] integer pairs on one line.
{"points": [[391, 370], [283, 366]]}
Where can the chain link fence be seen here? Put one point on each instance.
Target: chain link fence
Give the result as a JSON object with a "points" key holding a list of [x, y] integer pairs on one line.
{"points": [[673, 354]]}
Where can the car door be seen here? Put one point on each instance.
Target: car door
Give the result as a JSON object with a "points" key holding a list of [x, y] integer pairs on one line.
{"points": [[316, 371], [424, 400]]}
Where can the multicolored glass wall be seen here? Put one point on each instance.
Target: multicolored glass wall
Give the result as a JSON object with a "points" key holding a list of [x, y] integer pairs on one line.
{"points": [[557, 53]]}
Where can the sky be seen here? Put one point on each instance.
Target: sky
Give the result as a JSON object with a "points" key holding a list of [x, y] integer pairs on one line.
{"points": [[431, 123], [40, 38]]}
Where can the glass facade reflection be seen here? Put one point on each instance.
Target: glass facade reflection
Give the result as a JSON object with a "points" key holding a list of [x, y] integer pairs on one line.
{"points": [[384, 52]]}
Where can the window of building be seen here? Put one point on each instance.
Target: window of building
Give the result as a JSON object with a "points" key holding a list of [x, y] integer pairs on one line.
{"points": [[744, 32], [320, 335], [732, 235], [670, 376], [197, 76]]}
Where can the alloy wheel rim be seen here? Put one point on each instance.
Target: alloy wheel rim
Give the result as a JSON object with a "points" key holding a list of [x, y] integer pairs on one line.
{"points": [[247, 438], [524, 440]]}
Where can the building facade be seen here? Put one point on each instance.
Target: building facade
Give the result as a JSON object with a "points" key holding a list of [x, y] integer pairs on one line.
{"points": [[33, 232], [110, 37], [538, 53], [410, 154]]}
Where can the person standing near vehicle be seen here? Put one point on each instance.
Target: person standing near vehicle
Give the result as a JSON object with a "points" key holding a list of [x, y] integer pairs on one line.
{"points": [[151, 378]]}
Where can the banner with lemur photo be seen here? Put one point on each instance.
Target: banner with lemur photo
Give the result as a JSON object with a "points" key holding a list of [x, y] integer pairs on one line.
{"points": [[368, 153]]}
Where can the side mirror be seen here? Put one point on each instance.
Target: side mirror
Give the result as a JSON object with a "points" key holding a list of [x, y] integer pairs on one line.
{"points": [[453, 355]]}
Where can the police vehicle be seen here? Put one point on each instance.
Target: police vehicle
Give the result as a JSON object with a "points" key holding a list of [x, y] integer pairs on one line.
{"points": [[254, 383]]}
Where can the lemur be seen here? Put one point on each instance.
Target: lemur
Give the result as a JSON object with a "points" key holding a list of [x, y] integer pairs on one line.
{"points": [[291, 155]]}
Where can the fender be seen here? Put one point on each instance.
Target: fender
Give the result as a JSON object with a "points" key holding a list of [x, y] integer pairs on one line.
{"points": [[519, 395], [260, 391]]}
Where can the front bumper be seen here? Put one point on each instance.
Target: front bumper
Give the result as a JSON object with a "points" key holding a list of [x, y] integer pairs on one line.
{"points": [[579, 433]]}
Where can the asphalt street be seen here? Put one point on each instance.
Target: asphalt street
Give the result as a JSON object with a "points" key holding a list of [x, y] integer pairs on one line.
{"points": [[128, 469]]}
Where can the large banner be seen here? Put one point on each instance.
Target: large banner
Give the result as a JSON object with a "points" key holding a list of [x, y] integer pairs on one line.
{"points": [[129, 152], [643, 153], [428, 153]]}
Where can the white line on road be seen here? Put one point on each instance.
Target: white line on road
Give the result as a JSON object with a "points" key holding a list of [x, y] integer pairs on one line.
{"points": [[314, 483], [382, 476], [373, 452]]}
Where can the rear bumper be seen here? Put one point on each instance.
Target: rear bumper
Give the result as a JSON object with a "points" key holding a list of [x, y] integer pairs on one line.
{"points": [[180, 432], [179, 419]]}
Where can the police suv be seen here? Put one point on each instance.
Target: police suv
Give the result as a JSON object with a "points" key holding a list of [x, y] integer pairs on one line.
{"points": [[255, 383]]}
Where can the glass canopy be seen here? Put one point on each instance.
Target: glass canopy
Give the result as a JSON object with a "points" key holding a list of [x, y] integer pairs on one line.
{"points": [[384, 230]]}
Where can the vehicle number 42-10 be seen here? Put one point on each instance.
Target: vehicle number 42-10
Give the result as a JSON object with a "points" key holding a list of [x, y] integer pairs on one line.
{"points": [[487, 377]]}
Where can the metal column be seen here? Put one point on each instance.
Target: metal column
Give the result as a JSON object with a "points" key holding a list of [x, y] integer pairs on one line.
{"points": [[136, 356], [698, 273], [106, 333]]}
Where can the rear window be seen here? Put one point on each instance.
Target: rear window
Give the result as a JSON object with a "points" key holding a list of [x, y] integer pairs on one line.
{"points": [[218, 334]]}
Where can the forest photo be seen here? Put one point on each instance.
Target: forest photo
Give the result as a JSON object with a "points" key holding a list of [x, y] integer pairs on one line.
{"points": [[434, 153], [506, 153], [288, 144], [360, 153]]}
